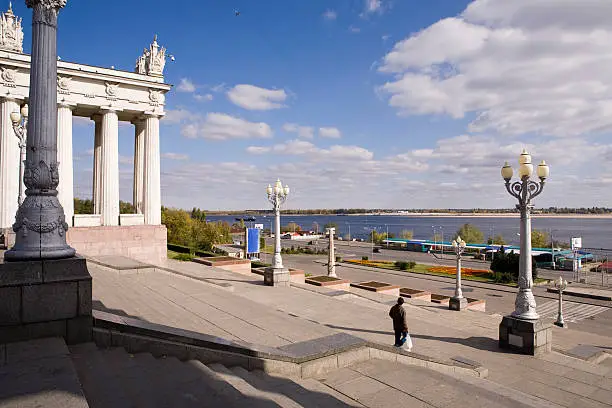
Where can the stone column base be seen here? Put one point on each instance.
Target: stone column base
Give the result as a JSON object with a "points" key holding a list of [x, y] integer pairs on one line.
{"points": [[277, 277], [458, 304], [45, 298], [532, 337]]}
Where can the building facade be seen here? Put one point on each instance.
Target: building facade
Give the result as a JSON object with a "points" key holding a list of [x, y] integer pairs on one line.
{"points": [[106, 96]]}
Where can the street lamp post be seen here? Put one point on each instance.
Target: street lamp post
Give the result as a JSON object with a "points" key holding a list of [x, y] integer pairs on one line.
{"points": [[458, 302], [561, 285], [277, 275], [20, 126], [40, 225], [522, 330], [331, 262]]}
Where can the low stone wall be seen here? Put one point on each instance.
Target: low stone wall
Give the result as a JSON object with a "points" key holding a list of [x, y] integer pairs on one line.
{"points": [[146, 243], [227, 263]]}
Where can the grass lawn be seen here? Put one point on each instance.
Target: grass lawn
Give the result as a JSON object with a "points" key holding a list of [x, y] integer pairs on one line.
{"points": [[427, 270], [179, 256]]}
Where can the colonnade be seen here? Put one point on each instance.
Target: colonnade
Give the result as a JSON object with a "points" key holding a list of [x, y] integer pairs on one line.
{"points": [[105, 194]]}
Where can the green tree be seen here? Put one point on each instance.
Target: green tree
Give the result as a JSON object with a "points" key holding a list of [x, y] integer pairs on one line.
{"points": [[539, 239], [331, 225], [198, 214], [83, 206], [126, 208], [378, 237], [179, 225], [290, 227], [497, 240], [406, 234], [470, 234], [506, 266]]}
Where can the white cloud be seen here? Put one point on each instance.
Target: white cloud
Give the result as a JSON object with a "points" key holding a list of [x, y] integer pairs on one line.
{"points": [[330, 132], [186, 85], [330, 15], [220, 126], [524, 66], [258, 149], [372, 7], [306, 132], [252, 97], [126, 159], [354, 29], [206, 97], [175, 156], [174, 116]]}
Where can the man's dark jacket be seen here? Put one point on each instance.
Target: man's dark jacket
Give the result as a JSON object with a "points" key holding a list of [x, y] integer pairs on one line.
{"points": [[398, 314]]}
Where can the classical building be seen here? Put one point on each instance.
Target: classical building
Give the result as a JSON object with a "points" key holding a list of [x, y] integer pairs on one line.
{"points": [[105, 96]]}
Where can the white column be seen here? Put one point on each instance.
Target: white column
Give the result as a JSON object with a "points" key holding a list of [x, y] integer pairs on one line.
{"points": [[65, 189], [139, 140], [152, 187], [97, 162], [109, 168], [9, 164]]}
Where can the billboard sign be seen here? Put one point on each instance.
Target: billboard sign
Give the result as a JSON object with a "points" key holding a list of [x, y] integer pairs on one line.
{"points": [[259, 226], [577, 243], [252, 241]]}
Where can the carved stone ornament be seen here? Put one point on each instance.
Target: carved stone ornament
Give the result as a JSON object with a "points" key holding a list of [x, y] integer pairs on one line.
{"points": [[152, 61], [64, 83], [111, 89], [48, 4], [8, 75], [39, 176], [11, 31], [154, 96]]}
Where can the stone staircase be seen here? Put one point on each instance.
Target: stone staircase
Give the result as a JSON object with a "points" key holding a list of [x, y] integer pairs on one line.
{"points": [[114, 378]]}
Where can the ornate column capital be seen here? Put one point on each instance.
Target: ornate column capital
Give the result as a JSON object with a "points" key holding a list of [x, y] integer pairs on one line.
{"points": [[48, 4]]}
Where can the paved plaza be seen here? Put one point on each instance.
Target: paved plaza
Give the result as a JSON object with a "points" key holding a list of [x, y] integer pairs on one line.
{"points": [[236, 306]]}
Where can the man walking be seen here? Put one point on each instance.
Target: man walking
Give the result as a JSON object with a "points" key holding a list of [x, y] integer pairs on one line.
{"points": [[398, 314]]}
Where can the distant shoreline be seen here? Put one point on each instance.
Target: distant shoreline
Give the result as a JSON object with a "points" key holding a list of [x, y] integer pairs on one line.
{"points": [[440, 215]]}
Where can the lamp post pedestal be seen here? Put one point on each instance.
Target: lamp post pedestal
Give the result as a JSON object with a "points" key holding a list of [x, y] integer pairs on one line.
{"points": [[457, 304], [532, 337]]}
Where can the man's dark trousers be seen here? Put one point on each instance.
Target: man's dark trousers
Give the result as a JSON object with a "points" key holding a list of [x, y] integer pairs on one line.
{"points": [[399, 337]]}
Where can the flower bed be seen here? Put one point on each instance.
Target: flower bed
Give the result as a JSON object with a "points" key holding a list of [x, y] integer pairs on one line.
{"points": [[451, 270]]}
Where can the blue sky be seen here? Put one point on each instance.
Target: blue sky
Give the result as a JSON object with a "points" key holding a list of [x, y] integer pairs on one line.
{"points": [[360, 103]]}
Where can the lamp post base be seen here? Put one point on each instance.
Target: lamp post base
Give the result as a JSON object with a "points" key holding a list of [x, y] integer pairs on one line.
{"points": [[45, 298], [457, 304], [560, 323], [277, 277], [532, 337]]}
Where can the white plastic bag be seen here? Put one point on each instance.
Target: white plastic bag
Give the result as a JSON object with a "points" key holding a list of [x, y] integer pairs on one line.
{"points": [[407, 343]]}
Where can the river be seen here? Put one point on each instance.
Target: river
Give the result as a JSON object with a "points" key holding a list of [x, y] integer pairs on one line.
{"points": [[595, 232]]}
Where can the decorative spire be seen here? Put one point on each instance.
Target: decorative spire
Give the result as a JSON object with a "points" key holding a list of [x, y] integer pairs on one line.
{"points": [[11, 32], [152, 61]]}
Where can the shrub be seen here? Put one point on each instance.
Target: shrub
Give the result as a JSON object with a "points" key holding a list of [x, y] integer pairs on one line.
{"points": [[364, 258], [182, 249], [401, 265], [183, 257], [338, 259]]}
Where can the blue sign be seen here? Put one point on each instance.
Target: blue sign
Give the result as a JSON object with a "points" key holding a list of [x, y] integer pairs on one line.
{"points": [[252, 241]]}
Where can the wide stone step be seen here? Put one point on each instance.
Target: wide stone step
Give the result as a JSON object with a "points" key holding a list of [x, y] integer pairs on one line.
{"points": [[263, 399], [100, 384], [306, 392], [380, 383]]}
